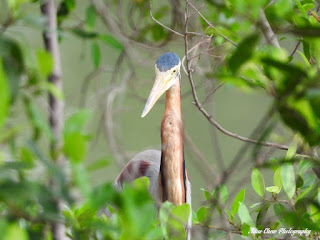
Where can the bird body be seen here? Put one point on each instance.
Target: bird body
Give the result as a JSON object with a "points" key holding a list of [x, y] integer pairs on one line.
{"points": [[166, 170]]}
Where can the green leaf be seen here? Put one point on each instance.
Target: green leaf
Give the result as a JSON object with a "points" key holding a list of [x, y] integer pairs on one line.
{"points": [[277, 180], [45, 62], [90, 16], [75, 123], [13, 63], [303, 12], [207, 195], [223, 193], [95, 54], [308, 6], [15, 232], [299, 181], [75, 142], [245, 229], [244, 215], [243, 52], [182, 212], [273, 189], [85, 34], [81, 178], [75, 146], [291, 151], [171, 222], [57, 93], [204, 214], [305, 59], [274, 164], [313, 96], [99, 164], [315, 213], [4, 96], [278, 209], [303, 166], [238, 198], [257, 182], [111, 41], [295, 120], [64, 9], [141, 183], [288, 179]]}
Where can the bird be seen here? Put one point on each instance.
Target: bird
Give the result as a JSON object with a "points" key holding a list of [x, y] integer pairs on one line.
{"points": [[166, 168]]}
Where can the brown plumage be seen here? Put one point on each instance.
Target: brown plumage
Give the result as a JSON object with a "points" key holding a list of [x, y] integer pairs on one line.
{"points": [[165, 169]]}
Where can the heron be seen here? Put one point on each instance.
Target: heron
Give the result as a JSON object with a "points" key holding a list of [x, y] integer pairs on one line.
{"points": [[166, 168]]}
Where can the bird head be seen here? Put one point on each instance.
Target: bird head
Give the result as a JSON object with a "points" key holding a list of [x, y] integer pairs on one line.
{"points": [[167, 70]]}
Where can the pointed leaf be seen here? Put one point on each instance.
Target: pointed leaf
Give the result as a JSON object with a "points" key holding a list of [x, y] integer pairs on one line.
{"points": [[4, 95], [244, 215], [288, 179], [257, 182], [238, 198]]}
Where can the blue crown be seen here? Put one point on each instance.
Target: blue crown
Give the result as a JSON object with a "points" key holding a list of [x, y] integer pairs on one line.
{"points": [[167, 61]]}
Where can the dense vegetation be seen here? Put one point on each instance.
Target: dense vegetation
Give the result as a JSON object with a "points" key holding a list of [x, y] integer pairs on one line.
{"points": [[271, 48]]}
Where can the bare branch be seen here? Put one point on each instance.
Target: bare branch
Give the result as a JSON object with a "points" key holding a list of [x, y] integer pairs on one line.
{"points": [[162, 25], [209, 171], [56, 106], [212, 92], [203, 111], [267, 30], [213, 27]]}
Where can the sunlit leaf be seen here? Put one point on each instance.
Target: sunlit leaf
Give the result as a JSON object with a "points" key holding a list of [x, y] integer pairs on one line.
{"points": [[244, 215], [273, 189], [204, 214], [223, 193], [288, 179], [315, 212], [45, 62], [75, 146], [257, 182], [238, 198], [277, 180], [15, 232], [4, 95], [304, 59], [303, 12]]}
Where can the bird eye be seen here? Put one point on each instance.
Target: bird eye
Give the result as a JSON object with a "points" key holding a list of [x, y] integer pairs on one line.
{"points": [[174, 71]]}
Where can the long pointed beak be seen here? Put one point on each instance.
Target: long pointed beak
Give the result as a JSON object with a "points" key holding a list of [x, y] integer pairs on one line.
{"points": [[159, 87]]}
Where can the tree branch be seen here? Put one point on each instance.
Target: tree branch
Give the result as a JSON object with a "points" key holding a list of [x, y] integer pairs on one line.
{"points": [[56, 106], [203, 111], [267, 30], [162, 25], [209, 24]]}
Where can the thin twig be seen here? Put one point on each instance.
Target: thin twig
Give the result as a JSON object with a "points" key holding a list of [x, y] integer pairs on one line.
{"points": [[213, 27], [164, 26], [295, 49], [212, 92], [210, 172], [207, 115]]}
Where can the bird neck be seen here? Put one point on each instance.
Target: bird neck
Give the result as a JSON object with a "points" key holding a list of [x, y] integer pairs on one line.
{"points": [[172, 179]]}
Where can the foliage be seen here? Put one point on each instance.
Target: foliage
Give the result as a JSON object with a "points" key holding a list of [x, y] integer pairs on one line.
{"points": [[289, 78]]}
